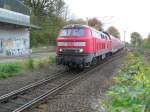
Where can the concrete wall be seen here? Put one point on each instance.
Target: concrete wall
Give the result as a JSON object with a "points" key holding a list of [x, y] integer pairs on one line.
{"points": [[14, 41], [14, 17]]}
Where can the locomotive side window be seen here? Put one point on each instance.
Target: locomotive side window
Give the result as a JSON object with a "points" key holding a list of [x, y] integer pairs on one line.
{"points": [[102, 36], [106, 37], [95, 34], [65, 32]]}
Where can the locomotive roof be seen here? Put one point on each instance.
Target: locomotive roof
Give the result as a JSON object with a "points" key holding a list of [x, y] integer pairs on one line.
{"points": [[76, 25], [85, 26]]}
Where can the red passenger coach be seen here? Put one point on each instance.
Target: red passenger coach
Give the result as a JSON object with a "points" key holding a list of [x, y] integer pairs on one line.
{"points": [[80, 46]]}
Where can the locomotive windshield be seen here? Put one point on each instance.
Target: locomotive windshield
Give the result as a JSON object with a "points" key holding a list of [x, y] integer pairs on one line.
{"points": [[76, 32], [65, 32]]}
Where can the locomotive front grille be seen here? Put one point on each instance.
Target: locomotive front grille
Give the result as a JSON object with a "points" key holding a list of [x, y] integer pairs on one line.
{"points": [[71, 50]]}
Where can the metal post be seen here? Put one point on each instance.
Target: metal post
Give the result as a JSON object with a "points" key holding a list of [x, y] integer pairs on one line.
{"points": [[124, 38], [87, 21]]}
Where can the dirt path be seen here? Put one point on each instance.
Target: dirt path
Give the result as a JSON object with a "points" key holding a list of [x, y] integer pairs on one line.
{"points": [[4, 59]]}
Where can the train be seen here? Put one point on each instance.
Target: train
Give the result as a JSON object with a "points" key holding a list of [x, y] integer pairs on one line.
{"points": [[80, 46]]}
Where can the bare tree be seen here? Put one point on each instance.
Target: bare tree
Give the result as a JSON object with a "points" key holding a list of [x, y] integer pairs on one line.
{"points": [[114, 31], [95, 23], [45, 7]]}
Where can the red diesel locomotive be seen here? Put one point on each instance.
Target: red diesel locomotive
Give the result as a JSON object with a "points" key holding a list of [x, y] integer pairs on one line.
{"points": [[81, 46]]}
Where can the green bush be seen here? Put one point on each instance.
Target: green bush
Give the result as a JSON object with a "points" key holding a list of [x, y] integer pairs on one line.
{"points": [[131, 92], [9, 69], [41, 64], [30, 63], [14, 68], [52, 58]]}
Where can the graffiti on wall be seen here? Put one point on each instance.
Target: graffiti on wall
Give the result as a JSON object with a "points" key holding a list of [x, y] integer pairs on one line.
{"points": [[14, 46]]}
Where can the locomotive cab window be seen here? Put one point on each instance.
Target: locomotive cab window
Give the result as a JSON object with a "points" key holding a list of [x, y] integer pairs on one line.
{"points": [[65, 32], [76, 32]]}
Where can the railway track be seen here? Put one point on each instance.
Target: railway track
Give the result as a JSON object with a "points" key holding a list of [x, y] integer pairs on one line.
{"points": [[13, 94], [31, 95], [5, 99]]}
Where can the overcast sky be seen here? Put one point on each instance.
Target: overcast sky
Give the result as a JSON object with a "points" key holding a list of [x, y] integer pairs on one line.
{"points": [[126, 15]]}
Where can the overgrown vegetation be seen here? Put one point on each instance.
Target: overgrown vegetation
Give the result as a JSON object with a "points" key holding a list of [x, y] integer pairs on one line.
{"points": [[131, 92], [9, 69], [16, 68], [52, 58], [147, 42], [30, 63], [136, 39]]}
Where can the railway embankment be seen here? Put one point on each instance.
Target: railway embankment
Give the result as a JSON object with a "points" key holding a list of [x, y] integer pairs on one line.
{"points": [[131, 91], [85, 94], [17, 74]]}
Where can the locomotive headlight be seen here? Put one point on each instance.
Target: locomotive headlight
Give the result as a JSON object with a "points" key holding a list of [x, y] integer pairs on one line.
{"points": [[80, 50], [60, 50]]}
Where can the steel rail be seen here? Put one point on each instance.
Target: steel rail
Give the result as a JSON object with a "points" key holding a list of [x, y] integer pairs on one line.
{"points": [[7, 96]]}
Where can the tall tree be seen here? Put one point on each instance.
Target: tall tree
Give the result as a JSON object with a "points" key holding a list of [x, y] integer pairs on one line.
{"points": [[147, 41], [43, 7], [47, 14], [136, 39], [77, 21], [95, 23], [114, 31]]}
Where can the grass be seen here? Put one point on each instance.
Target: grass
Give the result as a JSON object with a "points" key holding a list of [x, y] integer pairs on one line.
{"points": [[52, 58], [16, 68], [42, 48], [30, 63], [9, 69]]}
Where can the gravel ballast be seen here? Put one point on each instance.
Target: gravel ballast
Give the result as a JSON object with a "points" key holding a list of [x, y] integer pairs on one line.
{"points": [[85, 95]]}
